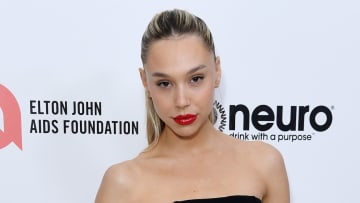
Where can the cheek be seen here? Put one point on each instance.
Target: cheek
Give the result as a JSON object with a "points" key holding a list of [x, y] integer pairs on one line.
{"points": [[205, 97], [160, 102]]}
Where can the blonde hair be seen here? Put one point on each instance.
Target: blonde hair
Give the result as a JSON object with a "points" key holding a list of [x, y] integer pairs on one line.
{"points": [[163, 25]]}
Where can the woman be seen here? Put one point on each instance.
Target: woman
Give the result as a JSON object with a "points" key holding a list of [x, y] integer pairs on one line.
{"points": [[188, 160]]}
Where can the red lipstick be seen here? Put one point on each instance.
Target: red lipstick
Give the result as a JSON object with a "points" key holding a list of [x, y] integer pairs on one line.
{"points": [[186, 119]]}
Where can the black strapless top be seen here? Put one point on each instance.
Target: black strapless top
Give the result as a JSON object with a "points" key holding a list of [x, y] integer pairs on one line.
{"points": [[228, 199]]}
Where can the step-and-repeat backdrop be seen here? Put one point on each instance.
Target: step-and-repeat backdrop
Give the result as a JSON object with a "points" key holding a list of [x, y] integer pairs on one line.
{"points": [[72, 104]]}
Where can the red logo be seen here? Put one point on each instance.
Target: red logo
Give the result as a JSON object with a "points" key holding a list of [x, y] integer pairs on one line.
{"points": [[12, 119]]}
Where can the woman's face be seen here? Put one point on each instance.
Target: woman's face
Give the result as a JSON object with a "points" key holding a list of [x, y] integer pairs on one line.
{"points": [[180, 76]]}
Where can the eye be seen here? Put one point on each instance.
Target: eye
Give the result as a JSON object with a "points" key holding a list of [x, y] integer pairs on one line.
{"points": [[163, 83], [197, 79]]}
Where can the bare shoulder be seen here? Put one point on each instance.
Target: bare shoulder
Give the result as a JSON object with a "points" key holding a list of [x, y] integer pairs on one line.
{"points": [[118, 183], [270, 163], [267, 154], [260, 152], [265, 157]]}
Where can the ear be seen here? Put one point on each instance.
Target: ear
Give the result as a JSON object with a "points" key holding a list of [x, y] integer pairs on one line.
{"points": [[143, 77], [218, 71], [144, 81]]}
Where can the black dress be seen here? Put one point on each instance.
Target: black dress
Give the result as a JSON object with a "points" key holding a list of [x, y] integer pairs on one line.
{"points": [[228, 199]]}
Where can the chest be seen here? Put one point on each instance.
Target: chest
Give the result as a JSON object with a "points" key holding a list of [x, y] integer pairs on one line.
{"points": [[199, 179]]}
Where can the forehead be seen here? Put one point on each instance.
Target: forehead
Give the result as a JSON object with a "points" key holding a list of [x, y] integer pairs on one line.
{"points": [[178, 53]]}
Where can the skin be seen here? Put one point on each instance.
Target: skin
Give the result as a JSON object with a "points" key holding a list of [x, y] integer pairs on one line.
{"points": [[196, 160]]}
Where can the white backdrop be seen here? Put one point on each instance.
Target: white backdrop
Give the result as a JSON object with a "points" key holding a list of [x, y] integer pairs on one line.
{"points": [[273, 53]]}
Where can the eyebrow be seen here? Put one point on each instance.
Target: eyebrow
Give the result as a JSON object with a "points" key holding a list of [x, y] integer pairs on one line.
{"points": [[193, 70]]}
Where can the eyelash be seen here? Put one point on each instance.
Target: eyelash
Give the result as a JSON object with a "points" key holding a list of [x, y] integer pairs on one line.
{"points": [[197, 79], [163, 83], [194, 79]]}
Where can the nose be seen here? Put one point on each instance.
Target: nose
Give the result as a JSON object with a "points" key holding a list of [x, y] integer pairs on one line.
{"points": [[182, 99]]}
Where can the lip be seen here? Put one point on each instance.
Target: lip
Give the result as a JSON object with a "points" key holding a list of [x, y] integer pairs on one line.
{"points": [[186, 119]]}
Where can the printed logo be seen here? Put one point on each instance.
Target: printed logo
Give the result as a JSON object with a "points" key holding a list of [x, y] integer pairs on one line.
{"points": [[11, 131], [297, 123], [219, 116], [263, 117]]}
